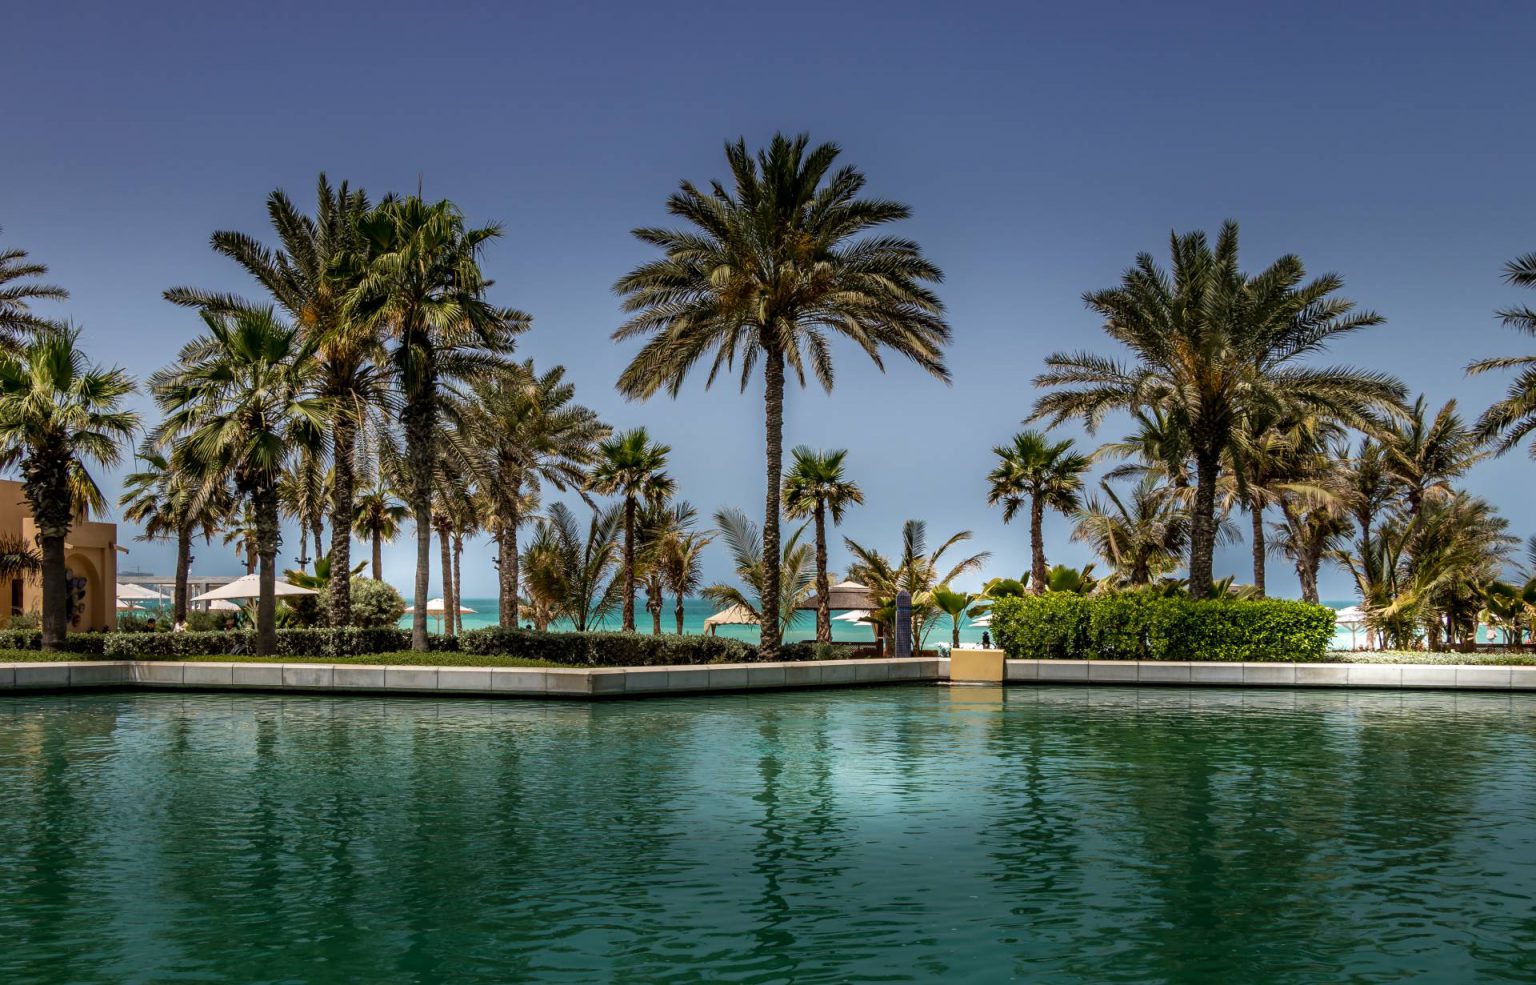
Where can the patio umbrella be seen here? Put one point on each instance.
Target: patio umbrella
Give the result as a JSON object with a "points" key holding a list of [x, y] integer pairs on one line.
{"points": [[123, 605], [128, 590], [439, 608], [249, 587], [223, 605], [1352, 619]]}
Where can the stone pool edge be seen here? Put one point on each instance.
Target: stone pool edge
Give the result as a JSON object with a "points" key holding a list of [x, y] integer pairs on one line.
{"points": [[618, 682]]}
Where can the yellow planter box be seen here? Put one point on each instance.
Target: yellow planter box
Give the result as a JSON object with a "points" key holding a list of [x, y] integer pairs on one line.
{"points": [[976, 665]]}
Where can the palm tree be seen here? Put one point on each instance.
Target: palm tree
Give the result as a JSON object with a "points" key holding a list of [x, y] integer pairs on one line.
{"points": [[1143, 537], [1425, 455], [59, 412], [664, 527], [517, 430], [744, 540], [682, 567], [954, 605], [17, 292], [771, 269], [242, 400], [569, 573], [1510, 420], [1210, 344], [377, 518], [632, 466], [304, 495], [918, 572], [309, 276], [423, 287], [1044, 473], [814, 487], [168, 500]]}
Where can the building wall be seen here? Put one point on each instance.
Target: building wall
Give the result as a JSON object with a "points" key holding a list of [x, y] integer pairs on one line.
{"points": [[90, 554]]}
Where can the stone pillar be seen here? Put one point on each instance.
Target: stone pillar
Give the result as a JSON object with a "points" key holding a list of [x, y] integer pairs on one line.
{"points": [[903, 624]]}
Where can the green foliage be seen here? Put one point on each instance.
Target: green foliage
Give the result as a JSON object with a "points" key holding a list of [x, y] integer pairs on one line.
{"points": [[1148, 626], [88, 644], [607, 649], [375, 604], [290, 643]]}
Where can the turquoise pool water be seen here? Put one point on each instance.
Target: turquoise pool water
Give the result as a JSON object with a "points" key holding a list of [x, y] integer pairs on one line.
{"points": [[897, 835]]}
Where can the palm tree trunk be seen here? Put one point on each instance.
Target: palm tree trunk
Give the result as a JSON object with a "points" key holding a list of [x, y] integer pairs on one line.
{"points": [[342, 506], [773, 419], [304, 547], [1202, 535], [420, 419], [655, 616], [954, 622], [511, 562], [55, 590], [378, 555], [506, 597], [1256, 512], [458, 581], [1038, 574], [264, 502], [629, 564], [445, 545], [183, 572], [823, 588], [677, 610]]}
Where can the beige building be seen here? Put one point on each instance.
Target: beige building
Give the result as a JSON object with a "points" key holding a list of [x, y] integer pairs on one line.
{"points": [[90, 554]]}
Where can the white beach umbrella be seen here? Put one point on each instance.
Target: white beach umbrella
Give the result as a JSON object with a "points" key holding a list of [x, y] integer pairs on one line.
{"points": [[223, 605], [436, 607], [1352, 619], [123, 605], [128, 590], [983, 621], [249, 587]]}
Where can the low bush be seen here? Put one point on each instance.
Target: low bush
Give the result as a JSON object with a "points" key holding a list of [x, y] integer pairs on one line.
{"points": [[90, 644], [290, 643], [1138, 626], [607, 649]]}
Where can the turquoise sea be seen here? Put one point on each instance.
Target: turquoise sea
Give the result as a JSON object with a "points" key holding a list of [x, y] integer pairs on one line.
{"points": [[696, 610]]}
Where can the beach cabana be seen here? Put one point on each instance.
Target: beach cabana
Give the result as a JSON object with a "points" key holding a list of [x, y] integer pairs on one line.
{"points": [[843, 596], [736, 615]]}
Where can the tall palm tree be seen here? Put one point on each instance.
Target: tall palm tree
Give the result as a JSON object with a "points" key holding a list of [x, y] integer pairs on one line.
{"points": [[771, 269], [304, 495], [377, 518], [744, 540], [1510, 420], [517, 430], [423, 288], [955, 605], [169, 501], [59, 412], [18, 323], [1142, 537], [664, 529], [242, 398], [1043, 473], [1210, 343], [309, 276], [631, 466], [814, 487]]}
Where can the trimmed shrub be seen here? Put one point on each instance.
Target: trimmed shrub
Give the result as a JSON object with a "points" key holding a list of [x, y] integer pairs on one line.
{"points": [[607, 649], [86, 644], [290, 643], [1140, 626], [375, 604]]}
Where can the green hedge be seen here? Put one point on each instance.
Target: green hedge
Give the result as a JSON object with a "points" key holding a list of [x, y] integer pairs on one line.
{"points": [[607, 649], [1136, 626], [90, 644], [350, 642]]}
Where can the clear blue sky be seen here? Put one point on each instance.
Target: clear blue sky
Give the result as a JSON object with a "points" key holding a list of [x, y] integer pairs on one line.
{"points": [[1040, 145]]}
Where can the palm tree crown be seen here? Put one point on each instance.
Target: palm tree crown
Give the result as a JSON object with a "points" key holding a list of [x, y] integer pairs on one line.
{"points": [[17, 292], [772, 268], [1209, 344], [1044, 474], [59, 413], [633, 467], [1510, 420], [814, 487]]}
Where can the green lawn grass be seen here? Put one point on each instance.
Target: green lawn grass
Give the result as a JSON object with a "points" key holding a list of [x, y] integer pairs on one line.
{"points": [[403, 657]]}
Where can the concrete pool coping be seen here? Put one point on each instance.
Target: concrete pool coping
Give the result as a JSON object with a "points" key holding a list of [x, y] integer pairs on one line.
{"points": [[614, 682]]}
